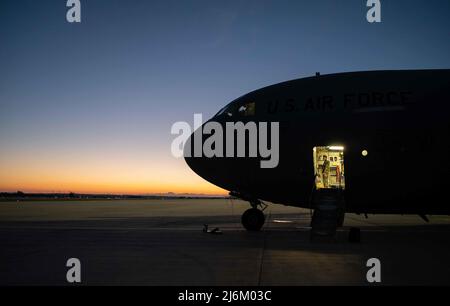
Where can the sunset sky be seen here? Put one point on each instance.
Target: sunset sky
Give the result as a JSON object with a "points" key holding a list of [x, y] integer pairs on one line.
{"points": [[88, 107]]}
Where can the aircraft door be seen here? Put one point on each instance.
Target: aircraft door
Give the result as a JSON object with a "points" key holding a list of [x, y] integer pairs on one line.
{"points": [[329, 170]]}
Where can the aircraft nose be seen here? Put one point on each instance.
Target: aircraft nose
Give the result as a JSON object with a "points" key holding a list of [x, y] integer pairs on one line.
{"points": [[195, 163], [211, 169]]}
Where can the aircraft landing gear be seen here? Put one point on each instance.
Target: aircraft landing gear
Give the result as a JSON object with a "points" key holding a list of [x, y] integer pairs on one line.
{"points": [[253, 219]]}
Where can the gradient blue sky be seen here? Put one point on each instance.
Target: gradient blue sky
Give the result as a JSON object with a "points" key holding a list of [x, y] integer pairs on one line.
{"points": [[88, 107]]}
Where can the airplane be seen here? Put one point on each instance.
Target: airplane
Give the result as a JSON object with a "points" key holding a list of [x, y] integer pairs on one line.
{"points": [[385, 136]]}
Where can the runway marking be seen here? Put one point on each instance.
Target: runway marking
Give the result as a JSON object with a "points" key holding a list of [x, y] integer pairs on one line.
{"points": [[282, 221], [230, 227], [265, 228], [198, 229]]}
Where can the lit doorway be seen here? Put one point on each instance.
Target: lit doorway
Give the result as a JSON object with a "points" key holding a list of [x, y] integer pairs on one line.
{"points": [[329, 168]]}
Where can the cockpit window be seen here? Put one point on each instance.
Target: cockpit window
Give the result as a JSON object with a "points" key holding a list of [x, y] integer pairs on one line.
{"points": [[227, 109], [247, 109]]}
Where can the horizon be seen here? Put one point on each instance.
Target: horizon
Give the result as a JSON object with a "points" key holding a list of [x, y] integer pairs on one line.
{"points": [[112, 194]]}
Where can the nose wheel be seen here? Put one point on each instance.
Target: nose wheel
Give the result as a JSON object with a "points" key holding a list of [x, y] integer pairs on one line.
{"points": [[253, 219]]}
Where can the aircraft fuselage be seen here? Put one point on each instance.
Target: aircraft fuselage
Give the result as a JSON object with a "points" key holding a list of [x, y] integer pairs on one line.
{"points": [[400, 119]]}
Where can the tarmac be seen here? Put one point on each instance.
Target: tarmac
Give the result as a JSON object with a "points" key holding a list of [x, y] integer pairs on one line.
{"points": [[161, 242]]}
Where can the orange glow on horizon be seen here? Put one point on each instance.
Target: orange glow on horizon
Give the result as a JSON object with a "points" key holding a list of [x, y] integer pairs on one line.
{"points": [[50, 186], [117, 190], [96, 174]]}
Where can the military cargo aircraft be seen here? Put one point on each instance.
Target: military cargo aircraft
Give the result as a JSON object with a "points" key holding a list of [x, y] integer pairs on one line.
{"points": [[357, 142]]}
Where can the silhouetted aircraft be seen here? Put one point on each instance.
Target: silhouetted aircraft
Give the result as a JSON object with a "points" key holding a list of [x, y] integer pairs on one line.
{"points": [[384, 135]]}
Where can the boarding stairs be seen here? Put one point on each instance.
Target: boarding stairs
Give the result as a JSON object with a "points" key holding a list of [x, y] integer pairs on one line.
{"points": [[329, 211]]}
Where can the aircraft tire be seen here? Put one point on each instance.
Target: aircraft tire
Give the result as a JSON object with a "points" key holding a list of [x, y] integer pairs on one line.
{"points": [[253, 219]]}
